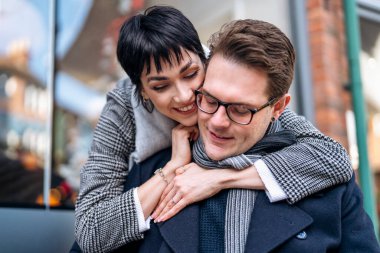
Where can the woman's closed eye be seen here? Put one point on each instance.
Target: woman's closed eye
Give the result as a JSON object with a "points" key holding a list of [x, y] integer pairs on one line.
{"points": [[160, 87], [191, 75]]}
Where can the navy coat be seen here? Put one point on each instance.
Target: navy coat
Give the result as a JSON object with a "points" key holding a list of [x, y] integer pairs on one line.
{"points": [[330, 221]]}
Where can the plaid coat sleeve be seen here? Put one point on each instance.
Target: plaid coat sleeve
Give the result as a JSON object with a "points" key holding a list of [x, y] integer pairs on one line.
{"points": [[314, 163], [105, 216]]}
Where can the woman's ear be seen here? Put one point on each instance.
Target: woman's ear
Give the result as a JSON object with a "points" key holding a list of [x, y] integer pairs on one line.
{"points": [[280, 105], [144, 95]]}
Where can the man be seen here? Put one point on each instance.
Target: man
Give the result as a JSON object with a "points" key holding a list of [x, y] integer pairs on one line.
{"points": [[245, 90]]}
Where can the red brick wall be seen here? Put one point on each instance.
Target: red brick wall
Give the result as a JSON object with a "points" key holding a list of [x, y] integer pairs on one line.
{"points": [[329, 66]]}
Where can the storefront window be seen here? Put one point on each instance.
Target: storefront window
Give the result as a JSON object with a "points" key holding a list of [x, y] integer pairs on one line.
{"points": [[23, 101], [85, 69]]}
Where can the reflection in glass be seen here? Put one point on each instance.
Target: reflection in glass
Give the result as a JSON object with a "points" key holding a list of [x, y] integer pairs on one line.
{"points": [[23, 101], [86, 70], [21, 157]]}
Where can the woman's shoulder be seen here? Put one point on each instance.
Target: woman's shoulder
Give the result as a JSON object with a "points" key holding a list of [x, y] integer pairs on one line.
{"points": [[118, 108], [121, 93]]}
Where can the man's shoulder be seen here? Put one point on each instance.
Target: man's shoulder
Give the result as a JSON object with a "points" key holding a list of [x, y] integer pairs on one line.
{"points": [[335, 196]]}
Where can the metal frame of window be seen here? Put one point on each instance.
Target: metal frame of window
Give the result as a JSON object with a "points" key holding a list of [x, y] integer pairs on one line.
{"points": [[303, 75]]}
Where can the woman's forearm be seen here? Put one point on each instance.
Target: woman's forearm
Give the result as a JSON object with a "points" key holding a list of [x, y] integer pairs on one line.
{"points": [[232, 178], [150, 192]]}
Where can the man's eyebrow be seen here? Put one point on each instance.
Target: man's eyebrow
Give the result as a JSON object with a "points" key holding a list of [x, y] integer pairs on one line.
{"points": [[236, 103], [208, 94]]}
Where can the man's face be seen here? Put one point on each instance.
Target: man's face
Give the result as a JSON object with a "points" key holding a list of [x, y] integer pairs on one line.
{"points": [[233, 83]]}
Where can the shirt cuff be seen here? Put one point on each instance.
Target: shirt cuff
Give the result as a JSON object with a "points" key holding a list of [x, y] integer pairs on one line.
{"points": [[144, 225], [272, 188]]}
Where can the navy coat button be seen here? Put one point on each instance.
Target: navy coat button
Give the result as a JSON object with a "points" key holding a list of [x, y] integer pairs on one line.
{"points": [[302, 235]]}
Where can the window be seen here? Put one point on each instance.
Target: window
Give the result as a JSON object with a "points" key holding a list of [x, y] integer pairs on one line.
{"points": [[35, 143]]}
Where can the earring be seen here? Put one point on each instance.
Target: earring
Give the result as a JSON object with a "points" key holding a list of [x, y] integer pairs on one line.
{"points": [[148, 105], [273, 119]]}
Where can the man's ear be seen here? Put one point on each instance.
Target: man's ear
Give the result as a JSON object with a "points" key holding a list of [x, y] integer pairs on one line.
{"points": [[280, 105]]}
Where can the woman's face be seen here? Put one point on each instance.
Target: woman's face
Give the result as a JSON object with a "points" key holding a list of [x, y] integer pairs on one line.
{"points": [[172, 89]]}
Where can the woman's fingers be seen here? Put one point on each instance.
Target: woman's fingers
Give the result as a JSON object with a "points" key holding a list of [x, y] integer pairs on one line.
{"points": [[195, 134], [166, 194], [172, 211], [167, 189], [180, 170], [171, 199], [164, 203]]}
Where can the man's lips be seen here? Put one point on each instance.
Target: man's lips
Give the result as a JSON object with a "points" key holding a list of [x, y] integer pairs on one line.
{"points": [[219, 138]]}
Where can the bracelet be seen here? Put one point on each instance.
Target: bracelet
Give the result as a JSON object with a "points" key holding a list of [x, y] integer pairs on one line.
{"points": [[161, 173]]}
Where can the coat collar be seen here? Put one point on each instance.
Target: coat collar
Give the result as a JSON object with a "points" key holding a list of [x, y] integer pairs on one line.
{"points": [[271, 224], [274, 223], [181, 232]]}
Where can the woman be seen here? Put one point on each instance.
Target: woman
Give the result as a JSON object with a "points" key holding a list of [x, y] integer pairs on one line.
{"points": [[161, 53]]}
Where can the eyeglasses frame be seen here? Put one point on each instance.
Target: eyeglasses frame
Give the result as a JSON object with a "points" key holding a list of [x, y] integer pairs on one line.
{"points": [[226, 105]]}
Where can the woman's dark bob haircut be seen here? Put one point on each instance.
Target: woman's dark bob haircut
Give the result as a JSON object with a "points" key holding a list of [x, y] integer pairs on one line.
{"points": [[160, 33]]}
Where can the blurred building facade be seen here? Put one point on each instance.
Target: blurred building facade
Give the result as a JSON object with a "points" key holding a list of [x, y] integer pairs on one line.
{"points": [[48, 111]]}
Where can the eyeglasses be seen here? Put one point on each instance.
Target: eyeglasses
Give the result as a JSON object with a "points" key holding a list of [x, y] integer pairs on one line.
{"points": [[237, 113]]}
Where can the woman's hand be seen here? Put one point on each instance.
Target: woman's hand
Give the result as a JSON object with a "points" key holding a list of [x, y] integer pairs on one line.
{"points": [[181, 137], [191, 184]]}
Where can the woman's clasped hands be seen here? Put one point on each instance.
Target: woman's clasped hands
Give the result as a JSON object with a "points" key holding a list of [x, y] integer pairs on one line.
{"points": [[191, 183]]}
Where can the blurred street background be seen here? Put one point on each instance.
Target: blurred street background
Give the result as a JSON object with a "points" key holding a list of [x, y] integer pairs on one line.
{"points": [[57, 62]]}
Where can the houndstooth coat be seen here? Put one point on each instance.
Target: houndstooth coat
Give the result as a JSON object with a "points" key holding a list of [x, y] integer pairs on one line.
{"points": [[106, 217]]}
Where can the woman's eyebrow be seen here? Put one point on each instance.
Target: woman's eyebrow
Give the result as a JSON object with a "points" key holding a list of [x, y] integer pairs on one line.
{"points": [[161, 78], [157, 78], [184, 68]]}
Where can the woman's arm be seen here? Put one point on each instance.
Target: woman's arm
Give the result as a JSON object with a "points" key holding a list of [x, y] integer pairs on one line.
{"points": [[193, 183], [314, 163], [150, 192], [105, 216]]}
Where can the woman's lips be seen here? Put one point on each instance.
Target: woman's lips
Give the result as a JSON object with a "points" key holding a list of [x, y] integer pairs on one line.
{"points": [[189, 109]]}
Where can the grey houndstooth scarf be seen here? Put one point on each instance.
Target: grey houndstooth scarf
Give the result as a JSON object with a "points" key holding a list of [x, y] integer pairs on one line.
{"points": [[240, 202]]}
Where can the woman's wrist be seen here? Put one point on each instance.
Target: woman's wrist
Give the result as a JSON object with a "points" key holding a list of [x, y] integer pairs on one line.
{"points": [[247, 179], [169, 169], [223, 178], [172, 165]]}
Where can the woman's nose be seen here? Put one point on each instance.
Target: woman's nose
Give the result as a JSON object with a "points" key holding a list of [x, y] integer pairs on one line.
{"points": [[184, 94]]}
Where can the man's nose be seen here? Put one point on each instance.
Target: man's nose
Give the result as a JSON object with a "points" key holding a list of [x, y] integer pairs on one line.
{"points": [[220, 118]]}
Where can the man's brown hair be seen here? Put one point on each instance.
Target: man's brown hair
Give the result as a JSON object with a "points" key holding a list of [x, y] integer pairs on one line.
{"points": [[259, 45]]}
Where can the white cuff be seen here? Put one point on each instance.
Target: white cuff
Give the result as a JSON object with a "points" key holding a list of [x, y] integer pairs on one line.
{"points": [[272, 188], [144, 225]]}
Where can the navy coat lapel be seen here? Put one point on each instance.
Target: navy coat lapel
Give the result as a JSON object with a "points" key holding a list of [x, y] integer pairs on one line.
{"points": [[273, 223], [181, 232]]}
